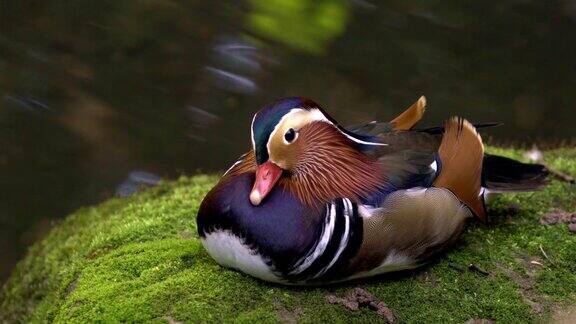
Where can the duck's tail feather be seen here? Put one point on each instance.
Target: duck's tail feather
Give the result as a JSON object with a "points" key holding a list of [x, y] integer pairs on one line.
{"points": [[501, 174]]}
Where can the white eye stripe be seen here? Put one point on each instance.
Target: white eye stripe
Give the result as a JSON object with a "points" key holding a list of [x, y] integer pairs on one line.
{"points": [[275, 130], [310, 116], [318, 115]]}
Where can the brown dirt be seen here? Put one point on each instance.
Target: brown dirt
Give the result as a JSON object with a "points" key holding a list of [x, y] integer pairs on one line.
{"points": [[558, 217], [479, 321], [286, 315], [171, 320], [359, 297], [525, 284], [428, 277], [565, 315], [289, 316], [186, 234]]}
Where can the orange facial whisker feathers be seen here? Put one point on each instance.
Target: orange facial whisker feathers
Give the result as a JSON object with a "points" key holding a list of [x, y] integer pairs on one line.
{"points": [[331, 167]]}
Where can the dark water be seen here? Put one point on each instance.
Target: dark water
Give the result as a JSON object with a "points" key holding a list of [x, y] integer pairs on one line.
{"points": [[99, 96]]}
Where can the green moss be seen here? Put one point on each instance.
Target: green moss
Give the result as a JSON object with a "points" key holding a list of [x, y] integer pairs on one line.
{"points": [[138, 259]]}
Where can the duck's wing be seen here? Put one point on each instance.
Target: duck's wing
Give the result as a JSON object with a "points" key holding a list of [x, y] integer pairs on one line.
{"points": [[408, 160], [410, 156], [407, 156], [412, 224]]}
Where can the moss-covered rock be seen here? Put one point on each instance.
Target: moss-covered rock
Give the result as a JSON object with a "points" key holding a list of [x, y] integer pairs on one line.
{"points": [[139, 259]]}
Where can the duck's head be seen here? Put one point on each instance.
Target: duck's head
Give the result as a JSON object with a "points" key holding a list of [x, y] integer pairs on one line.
{"points": [[295, 137]]}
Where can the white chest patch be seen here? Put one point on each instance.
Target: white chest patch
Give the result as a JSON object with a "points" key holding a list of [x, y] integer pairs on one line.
{"points": [[229, 251]]}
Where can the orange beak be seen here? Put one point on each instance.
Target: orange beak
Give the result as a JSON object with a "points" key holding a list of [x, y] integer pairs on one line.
{"points": [[267, 175]]}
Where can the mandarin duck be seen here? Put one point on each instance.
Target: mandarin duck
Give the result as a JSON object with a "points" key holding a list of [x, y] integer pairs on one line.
{"points": [[313, 202]]}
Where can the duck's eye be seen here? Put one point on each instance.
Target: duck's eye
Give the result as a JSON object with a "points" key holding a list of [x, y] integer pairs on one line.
{"points": [[290, 135]]}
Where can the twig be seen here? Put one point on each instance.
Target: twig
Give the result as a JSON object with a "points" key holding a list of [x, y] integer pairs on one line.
{"points": [[560, 175], [475, 268], [536, 156], [536, 263], [544, 253], [456, 266]]}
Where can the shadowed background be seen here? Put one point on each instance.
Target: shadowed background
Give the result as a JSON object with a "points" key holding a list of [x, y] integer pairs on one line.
{"points": [[98, 98]]}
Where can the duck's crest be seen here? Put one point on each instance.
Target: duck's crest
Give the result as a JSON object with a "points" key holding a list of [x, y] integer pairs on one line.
{"points": [[268, 117], [265, 121]]}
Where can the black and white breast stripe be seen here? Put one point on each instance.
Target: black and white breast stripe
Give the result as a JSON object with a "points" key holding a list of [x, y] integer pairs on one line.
{"points": [[339, 240]]}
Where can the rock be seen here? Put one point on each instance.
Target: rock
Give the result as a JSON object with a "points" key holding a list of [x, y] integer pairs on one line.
{"points": [[139, 259], [558, 217]]}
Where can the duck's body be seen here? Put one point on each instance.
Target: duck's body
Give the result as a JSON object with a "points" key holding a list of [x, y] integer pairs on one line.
{"points": [[345, 205]]}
